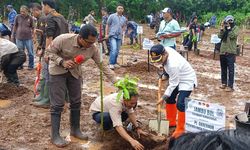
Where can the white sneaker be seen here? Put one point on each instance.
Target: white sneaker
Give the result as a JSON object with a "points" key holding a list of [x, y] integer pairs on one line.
{"points": [[112, 67], [117, 66]]}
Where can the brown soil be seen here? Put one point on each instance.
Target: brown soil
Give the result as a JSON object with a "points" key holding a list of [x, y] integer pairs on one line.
{"points": [[150, 142], [140, 70], [9, 91], [24, 126]]}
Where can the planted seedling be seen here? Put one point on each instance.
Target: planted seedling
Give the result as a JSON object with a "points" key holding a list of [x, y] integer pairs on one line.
{"points": [[126, 85]]}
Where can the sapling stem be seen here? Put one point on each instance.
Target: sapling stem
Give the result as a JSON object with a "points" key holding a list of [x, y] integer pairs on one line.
{"points": [[101, 78]]}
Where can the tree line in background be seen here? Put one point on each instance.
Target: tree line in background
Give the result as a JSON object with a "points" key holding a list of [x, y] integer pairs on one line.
{"points": [[138, 9]]}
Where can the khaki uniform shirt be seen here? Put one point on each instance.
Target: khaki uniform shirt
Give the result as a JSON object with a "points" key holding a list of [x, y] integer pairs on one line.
{"points": [[112, 106], [65, 47]]}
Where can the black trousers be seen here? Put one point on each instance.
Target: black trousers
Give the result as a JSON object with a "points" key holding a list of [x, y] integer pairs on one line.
{"points": [[58, 86], [10, 63], [227, 69], [190, 43]]}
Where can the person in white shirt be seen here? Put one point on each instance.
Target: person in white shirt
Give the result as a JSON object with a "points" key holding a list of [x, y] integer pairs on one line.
{"points": [[169, 29], [10, 59], [115, 112], [182, 80]]}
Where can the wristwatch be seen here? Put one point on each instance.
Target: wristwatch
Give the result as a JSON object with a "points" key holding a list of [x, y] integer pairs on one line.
{"points": [[61, 63]]}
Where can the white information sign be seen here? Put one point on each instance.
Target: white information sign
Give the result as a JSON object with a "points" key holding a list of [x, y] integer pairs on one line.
{"points": [[139, 29], [147, 44], [215, 39], [203, 116]]}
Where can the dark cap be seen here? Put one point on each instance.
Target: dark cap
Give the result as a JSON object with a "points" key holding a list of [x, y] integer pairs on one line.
{"points": [[50, 3], [156, 53]]}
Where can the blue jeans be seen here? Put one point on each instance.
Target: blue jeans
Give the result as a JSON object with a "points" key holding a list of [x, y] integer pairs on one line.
{"points": [[227, 69], [180, 100], [28, 44], [132, 36], [107, 122], [115, 45]]}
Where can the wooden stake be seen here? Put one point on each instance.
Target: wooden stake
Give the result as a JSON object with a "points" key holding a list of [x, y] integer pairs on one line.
{"points": [[159, 106]]}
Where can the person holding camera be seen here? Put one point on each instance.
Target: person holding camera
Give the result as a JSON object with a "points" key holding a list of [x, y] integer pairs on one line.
{"points": [[228, 34]]}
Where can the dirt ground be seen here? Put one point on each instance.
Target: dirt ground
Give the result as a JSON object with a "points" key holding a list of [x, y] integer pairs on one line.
{"points": [[26, 127]]}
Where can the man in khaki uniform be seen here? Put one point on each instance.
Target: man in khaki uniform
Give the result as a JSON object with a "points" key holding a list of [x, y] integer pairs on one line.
{"points": [[114, 113], [55, 25], [65, 74]]}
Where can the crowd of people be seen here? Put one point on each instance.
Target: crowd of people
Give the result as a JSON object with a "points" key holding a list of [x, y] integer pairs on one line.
{"points": [[61, 79]]}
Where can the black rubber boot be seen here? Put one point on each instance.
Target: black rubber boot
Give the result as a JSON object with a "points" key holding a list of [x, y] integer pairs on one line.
{"points": [[56, 139], [136, 40], [131, 41], [15, 79], [75, 125], [8, 77], [12, 78]]}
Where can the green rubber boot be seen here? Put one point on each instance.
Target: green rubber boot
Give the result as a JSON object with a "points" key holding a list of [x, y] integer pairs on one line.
{"points": [[40, 89], [44, 102]]}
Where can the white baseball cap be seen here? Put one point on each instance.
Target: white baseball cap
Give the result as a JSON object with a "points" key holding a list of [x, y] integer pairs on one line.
{"points": [[167, 10], [229, 17]]}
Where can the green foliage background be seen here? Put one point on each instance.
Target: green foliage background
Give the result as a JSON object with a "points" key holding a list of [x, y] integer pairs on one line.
{"points": [[137, 9]]}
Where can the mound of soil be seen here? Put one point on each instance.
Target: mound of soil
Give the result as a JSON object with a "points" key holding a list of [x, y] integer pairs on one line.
{"points": [[9, 91], [114, 142], [141, 67], [140, 70]]}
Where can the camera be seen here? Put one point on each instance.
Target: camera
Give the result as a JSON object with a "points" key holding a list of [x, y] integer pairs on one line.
{"points": [[225, 23]]}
